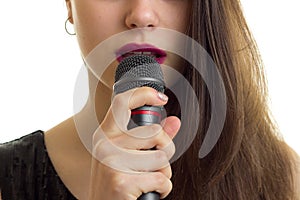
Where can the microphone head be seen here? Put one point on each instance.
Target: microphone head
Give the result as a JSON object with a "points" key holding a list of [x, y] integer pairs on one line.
{"points": [[138, 71]]}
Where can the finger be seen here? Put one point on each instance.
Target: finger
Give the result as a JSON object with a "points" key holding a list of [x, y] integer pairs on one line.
{"points": [[130, 161], [143, 137], [118, 115], [167, 171], [147, 137], [171, 126], [147, 96], [154, 181], [145, 161], [133, 186], [135, 140]]}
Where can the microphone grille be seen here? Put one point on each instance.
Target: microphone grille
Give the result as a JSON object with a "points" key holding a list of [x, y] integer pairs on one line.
{"points": [[137, 71]]}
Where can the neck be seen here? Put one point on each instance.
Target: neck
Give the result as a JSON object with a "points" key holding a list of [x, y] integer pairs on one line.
{"points": [[69, 143], [90, 117]]}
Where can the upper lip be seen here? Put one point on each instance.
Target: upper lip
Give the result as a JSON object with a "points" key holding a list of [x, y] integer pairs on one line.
{"points": [[134, 47]]}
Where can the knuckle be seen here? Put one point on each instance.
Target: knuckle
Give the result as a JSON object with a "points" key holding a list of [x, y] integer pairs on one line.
{"points": [[168, 147], [120, 182], [171, 149], [147, 89], [159, 178], [118, 100], [147, 93], [167, 189], [168, 172], [160, 155]]}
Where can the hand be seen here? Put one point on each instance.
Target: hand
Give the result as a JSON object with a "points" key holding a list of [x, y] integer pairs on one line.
{"points": [[123, 167]]}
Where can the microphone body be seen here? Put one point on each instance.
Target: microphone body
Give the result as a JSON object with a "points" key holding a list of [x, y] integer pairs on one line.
{"points": [[150, 196], [137, 71]]}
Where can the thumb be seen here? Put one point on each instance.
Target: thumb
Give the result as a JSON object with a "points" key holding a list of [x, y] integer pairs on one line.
{"points": [[171, 126]]}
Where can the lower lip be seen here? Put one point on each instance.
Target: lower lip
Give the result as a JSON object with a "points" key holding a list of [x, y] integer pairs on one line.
{"points": [[160, 59]]}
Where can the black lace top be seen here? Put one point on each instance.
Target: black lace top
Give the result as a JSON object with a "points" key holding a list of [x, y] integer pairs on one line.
{"points": [[26, 171]]}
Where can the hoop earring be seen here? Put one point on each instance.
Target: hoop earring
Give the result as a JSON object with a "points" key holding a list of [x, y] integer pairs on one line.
{"points": [[66, 23]]}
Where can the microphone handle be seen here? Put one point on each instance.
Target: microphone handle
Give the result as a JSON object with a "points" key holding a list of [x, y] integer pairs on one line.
{"points": [[149, 196], [143, 116]]}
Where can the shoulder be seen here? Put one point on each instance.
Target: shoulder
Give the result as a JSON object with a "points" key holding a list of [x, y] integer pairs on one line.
{"points": [[18, 158], [17, 150], [21, 145], [23, 140], [16, 154]]}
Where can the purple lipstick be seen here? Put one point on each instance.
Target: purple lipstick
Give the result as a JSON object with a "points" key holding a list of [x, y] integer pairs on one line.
{"points": [[146, 49]]}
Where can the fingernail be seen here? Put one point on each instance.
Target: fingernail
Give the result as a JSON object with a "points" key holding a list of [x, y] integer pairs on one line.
{"points": [[162, 96]]}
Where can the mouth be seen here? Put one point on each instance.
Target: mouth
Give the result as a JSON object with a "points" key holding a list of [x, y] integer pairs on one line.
{"points": [[141, 49]]}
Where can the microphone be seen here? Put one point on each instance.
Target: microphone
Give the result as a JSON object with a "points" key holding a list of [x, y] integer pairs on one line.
{"points": [[137, 71]]}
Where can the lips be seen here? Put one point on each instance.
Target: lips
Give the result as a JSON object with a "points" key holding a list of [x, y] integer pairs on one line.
{"points": [[145, 49]]}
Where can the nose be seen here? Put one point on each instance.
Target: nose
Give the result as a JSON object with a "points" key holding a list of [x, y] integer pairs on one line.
{"points": [[141, 14]]}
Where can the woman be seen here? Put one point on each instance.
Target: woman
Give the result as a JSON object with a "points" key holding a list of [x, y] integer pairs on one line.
{"points": [[249, 161]]}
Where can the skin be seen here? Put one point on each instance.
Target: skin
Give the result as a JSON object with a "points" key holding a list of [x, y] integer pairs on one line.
{"points": [[72, 162], [84, 175]]}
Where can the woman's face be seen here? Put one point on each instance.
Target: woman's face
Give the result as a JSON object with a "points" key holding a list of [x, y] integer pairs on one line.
{"points": [[96, 20]]}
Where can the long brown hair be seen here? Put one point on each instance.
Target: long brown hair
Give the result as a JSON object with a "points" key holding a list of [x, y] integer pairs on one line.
{"points": [[250, 160]]}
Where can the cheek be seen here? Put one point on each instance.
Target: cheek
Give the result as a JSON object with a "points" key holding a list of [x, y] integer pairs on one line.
{"points": [[90, 34], [180, 18], [184, 22], [94, 27], [183, 25]]}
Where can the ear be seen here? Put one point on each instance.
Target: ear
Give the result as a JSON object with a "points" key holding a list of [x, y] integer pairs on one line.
{"points": [[69, 7]]}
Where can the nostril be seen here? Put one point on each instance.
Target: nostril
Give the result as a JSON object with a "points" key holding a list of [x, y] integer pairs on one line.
{"points": [[133, 26], [136, 26]]}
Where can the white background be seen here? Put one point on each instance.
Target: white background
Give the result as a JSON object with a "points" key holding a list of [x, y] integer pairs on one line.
{"points": [[40, 62]]}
